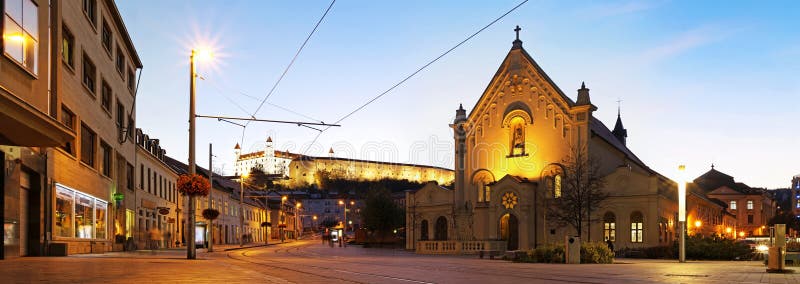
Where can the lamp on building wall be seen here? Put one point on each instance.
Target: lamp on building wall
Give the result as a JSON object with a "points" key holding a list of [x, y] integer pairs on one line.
{"points": [[682, 213]]}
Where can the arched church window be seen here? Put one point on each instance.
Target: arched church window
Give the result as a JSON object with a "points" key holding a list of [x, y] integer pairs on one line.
{"points": [[557, 186], [610, 227], [482, 179], [637, 228], [517, 136]]}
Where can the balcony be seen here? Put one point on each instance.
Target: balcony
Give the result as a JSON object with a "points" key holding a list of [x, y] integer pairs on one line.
{"points": [[25, 125]]}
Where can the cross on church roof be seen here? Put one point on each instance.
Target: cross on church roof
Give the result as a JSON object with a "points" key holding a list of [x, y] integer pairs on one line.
{"points": [[517, 30]]}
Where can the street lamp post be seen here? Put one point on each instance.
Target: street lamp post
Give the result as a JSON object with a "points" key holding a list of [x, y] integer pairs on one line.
{"points": [[210, 231], [296, 218], [191, 253], [282, 217], [190, 249], [241, 209], [682, 213]]}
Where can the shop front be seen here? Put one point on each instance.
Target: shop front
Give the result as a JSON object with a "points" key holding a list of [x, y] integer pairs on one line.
{"points": [[80, 221]]}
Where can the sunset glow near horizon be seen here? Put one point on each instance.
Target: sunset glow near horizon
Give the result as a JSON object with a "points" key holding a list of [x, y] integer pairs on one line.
{"points": [[699, 83]]}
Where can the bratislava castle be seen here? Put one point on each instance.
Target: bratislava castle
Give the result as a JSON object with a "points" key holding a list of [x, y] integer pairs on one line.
{"points": [[298, 170]]}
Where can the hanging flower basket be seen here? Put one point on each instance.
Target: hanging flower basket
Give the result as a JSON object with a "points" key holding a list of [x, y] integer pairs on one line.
{"points": [[193, 185], [210, 214], [266, 224]]}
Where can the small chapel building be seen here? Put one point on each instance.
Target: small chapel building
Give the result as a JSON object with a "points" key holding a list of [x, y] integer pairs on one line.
{"points": [[510, 152]]}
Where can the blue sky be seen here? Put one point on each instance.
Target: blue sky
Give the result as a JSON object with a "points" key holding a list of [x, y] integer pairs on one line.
{"points": [[701, 81]]}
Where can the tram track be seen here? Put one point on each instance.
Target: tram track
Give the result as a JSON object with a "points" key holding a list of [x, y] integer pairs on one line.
{"points": [[310, 269]]}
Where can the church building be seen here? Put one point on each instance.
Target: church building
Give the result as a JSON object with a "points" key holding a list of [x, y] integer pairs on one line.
{"points": [[511, 154]]}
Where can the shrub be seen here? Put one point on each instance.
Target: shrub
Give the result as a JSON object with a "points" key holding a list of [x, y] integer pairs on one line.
{"points": [[544, 254], [596, 252], [793, 246], [715, 248]]}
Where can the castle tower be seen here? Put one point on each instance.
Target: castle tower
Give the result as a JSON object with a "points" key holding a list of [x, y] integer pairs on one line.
{"points": [[237, 152], [269, 150]]}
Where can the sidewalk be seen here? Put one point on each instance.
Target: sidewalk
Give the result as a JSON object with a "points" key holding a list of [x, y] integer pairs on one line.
{"points": [[174, 252]]}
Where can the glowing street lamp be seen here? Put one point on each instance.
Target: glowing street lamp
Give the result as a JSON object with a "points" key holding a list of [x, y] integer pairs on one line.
{"points": [[698, 223], [191, 253], [682, 213]]}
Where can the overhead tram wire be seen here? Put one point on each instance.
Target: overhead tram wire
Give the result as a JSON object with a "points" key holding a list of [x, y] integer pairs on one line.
{"points": [[272, 90], [223, 93], [414, 73]]}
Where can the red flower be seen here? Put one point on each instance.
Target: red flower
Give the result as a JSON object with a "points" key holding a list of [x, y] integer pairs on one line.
{"points": [[194, 185]]}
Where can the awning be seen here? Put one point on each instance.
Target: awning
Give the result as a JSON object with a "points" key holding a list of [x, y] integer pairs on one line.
{"points": [[21, 124]]}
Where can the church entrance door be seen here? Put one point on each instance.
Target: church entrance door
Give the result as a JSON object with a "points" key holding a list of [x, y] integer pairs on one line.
{"points": [[441, 229], [509, 231]]}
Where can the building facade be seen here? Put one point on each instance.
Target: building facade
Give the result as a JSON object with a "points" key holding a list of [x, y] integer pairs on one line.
{"points": [[72, 62], [236, 220], [30, 124], [751, 208], [269, 160], [156, 196], [95, 82], [511, 153], [795, 195]]}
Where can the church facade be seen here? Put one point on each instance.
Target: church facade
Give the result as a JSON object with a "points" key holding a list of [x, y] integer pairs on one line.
{"points": [[511, 153]]}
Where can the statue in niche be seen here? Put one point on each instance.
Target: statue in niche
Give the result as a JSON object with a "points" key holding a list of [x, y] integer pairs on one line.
{"points": [[517, 138]]}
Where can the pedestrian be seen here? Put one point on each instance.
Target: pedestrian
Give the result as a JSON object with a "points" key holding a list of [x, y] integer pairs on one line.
{"points": [[610, 245]]}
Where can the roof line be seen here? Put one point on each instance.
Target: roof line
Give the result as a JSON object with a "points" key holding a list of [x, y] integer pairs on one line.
{"points": [[123, 30]]}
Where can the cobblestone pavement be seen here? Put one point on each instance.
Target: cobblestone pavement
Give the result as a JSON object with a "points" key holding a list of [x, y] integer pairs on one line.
{"points": [[311, 262]]}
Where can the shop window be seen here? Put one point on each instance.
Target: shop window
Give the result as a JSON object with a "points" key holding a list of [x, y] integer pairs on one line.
{"points": [[21, 33], [100, 220], [84, 216], [63, 213]]}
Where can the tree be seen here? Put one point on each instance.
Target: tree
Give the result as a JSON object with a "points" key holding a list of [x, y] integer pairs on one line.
{"points": [[785, 217], [329, 222], [581, 191], [380, 213]]}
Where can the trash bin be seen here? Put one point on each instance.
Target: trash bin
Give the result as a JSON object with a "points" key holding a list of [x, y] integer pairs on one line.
{"points": [[572, 247]]}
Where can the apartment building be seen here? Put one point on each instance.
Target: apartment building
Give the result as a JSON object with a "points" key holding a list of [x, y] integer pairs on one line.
{"points": [[94, 83], [224, 196], [156, 196], [29, 124], [67, 85]]}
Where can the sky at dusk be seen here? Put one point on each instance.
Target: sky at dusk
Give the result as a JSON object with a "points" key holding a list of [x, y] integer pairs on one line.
{"points": [[700, 81]]}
